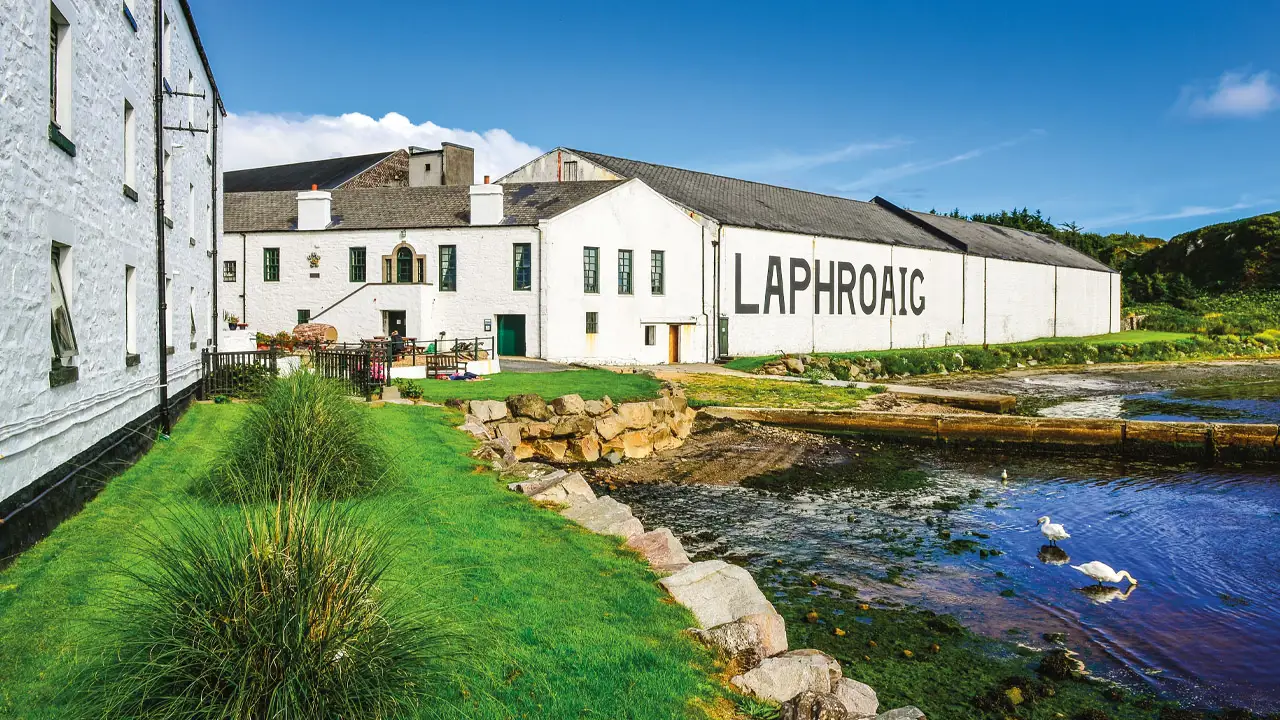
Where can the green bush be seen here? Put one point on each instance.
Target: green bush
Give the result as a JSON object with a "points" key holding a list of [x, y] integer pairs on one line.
{"points": [[305, 431], [280, 612], [409, 389]]}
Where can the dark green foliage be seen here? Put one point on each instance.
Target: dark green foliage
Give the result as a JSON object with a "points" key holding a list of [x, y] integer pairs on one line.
{"points": [[409, 389], [1114, 249], [305, 432], [244, 381], [756, 709], [1091, 714], [1237, 313], [278, 612], [1239, 255]]}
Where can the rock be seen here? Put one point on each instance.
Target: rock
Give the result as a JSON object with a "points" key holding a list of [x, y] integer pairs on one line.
{"points": [[509, 430], [605, 516], [793, 365], [613, 457], [662, 408], [537, 430], [737, 641], [811, 705], [552, 450], [610, 427], [528, 405], [662, 549], [568, 405], [489, 410], [636, 415], [679, 402], [596, 408], [772, 629], [457, 404], [523, 451], [572, 426], [783, 677], [636, 444], [909, 712], [390, 393], [716, 592], [777, 370], [858, 698], [536, 484], [663, 439], [570, 490], [817, 656], [473, 425], [683, 424], [529, 471], [499, 449], [584, 449]]}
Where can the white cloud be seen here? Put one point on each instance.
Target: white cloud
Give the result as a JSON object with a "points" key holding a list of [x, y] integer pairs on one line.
{"points": [[1187, 211], [786, 161], [1236, 94], [257, 140], [883, 175]]}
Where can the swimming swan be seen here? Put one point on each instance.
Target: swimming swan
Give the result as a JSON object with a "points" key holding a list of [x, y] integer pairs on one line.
{"points": [[1102, 572], [1052, 531]]}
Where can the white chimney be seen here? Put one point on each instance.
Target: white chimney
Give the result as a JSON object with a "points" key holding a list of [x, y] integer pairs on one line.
{"points": [[314, 209], [486, 204]]}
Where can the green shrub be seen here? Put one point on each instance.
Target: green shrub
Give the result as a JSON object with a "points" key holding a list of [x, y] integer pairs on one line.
{"points": [[281, 612], [409, 389], [305, 431]]}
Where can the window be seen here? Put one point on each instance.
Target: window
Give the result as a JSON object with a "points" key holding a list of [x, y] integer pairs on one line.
{"points": [[522, 266], [271, 264], [60, 85], [191, 310], [658, 262], [168, 314], [624, 272], [191, 213], [191, 99], [448, 268], [228, 271], [168, 182], [63, 334], [593, 323], [422, 268], [356, 264], [591, 269], [130, 150], [404, 265], [304, 316], [650, 335], [130, 311], [164, 51], [570, 170]]}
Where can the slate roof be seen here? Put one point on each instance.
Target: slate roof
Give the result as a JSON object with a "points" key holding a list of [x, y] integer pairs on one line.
{"points": [[329, 173], [408, 207], [744, 203]]}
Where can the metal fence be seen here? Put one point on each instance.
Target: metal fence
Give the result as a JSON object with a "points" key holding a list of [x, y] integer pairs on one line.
{"points": [[444, 356], [242, 373]]}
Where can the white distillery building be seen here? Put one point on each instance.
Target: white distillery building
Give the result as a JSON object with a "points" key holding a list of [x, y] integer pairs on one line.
{"points": [[109, 206], [794, 271], [602, 272]]}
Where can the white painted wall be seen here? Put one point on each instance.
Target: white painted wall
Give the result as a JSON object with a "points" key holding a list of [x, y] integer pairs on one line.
{"points": [[47, 196], [632, 217]]}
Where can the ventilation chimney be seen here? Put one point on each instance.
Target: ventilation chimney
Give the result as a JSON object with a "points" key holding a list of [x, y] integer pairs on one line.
{"points": [[486, 204], [314, 209]]}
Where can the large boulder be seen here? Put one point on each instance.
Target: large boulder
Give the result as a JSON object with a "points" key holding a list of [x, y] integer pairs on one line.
{"points": [[681, 424], [662, 549], [584, 449], [858, 698], [553, 450], [572, 426], [637, 444], [529, 406], [529, 471], [783, 677], [609, 427], [738, 641], [793, 365], [663, 439], [537, 430], [569, 490], [489, 410], [511, 431], [568, 405], [662, 408], [635, 415], [472, 424], [499, 450], [909, 712], [717, 593], [596, 408], [810, 705], [605, 516]]}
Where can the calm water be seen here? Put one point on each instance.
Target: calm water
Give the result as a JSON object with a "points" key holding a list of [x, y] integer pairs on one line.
{"points": [[1203, 625], [1255, 401]]}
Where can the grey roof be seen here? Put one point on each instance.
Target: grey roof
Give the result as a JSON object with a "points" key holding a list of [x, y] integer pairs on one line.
{"points": [[769, 207], [327, 174], [408, 207]]}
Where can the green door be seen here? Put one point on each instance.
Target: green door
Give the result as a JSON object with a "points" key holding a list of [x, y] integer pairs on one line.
{"points": [[511, 335]]}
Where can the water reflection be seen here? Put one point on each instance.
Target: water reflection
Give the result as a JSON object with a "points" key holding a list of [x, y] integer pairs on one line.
{"points": [[1102, 594], [1053, 555]]}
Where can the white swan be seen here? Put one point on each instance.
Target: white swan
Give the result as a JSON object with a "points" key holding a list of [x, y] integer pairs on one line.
{"points": [[1102, 572], [1004, 476], [1053, 531]]}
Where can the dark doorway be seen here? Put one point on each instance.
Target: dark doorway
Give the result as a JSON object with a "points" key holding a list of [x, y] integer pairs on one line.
{"points": [[395, 322], [724, 337], [511, 335], [673, 344]]}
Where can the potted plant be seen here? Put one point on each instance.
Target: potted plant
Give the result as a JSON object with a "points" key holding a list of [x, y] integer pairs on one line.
{"points": [[232, 320]]}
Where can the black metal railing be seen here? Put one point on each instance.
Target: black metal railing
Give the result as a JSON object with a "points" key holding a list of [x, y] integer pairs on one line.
{"points": [[443, 356], [353, 364], [243, 373]]}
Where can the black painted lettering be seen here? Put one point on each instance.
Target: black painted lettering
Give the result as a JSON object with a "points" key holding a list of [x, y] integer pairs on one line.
{"points": [[773, 285], [886, 292], [796, 283], [868, 303], [738, 306], [916, 275], [828, 287], [902, 296], [845, 289]]}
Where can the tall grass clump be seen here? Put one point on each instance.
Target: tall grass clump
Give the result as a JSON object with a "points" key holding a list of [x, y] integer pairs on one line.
{"points": [[304, 433], [279, 611]]}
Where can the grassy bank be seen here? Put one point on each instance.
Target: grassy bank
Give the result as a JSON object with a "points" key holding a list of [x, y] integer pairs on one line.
{"points": [[590, 384], [568, 624], [727, 390], [1135, 346], [1236, 313]]}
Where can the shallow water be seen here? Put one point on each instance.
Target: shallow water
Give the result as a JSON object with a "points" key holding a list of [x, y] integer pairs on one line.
{"points": [[913, 525], [1255, 401]]}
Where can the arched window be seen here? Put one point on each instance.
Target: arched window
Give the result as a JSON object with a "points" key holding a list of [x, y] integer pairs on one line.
{"points": [[404, 265]]}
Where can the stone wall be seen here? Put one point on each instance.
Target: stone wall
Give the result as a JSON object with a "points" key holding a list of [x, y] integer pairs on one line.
{"points": [[576, 430]]}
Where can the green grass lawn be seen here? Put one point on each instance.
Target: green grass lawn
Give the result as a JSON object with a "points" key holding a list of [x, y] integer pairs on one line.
{"points": [[569, 625], [727, 390], [590, 384]]}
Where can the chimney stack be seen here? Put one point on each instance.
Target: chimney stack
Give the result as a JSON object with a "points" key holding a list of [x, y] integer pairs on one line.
{"points": [[314, 209], [486, 204]]}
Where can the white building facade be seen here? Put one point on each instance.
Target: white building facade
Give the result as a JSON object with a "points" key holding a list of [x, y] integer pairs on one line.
{"points": [[606, 273], [791, 271], [94, 265]]}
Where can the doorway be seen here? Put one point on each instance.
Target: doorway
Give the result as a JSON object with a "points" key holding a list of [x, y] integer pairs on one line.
{"points": [[673, 344], [511, 335], [395, 322]]}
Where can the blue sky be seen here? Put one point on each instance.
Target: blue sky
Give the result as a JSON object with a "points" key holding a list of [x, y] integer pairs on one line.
{"points": [[1149, 117]]}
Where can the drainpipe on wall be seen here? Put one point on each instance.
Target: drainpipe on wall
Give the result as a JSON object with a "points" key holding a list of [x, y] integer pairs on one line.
{"points": [[213, 217], [716, 350], [542, 349], [244, 278], [160, 239]]}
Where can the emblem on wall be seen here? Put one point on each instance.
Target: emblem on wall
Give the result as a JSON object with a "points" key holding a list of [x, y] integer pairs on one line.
{"points": [[313, 260]]}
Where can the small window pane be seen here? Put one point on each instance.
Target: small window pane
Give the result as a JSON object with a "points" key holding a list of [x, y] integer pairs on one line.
{"points": [[304, 316], [593, 323], [404, 265], [522, 266], [63, 334], [657, 270], [228, 271], [591, 269], [448, 268], [357, 264], [650, 335], [624, 272], [271, 264]]}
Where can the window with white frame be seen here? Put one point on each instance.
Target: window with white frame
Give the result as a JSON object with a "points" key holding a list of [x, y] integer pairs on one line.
{"points": [[130, 147], [228, 271], [650, 334], [60, 62], [62, 329], [130, 310]]}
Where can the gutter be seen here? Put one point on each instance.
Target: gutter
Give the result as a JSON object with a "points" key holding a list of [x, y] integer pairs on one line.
{"points": [[161, 304]]}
